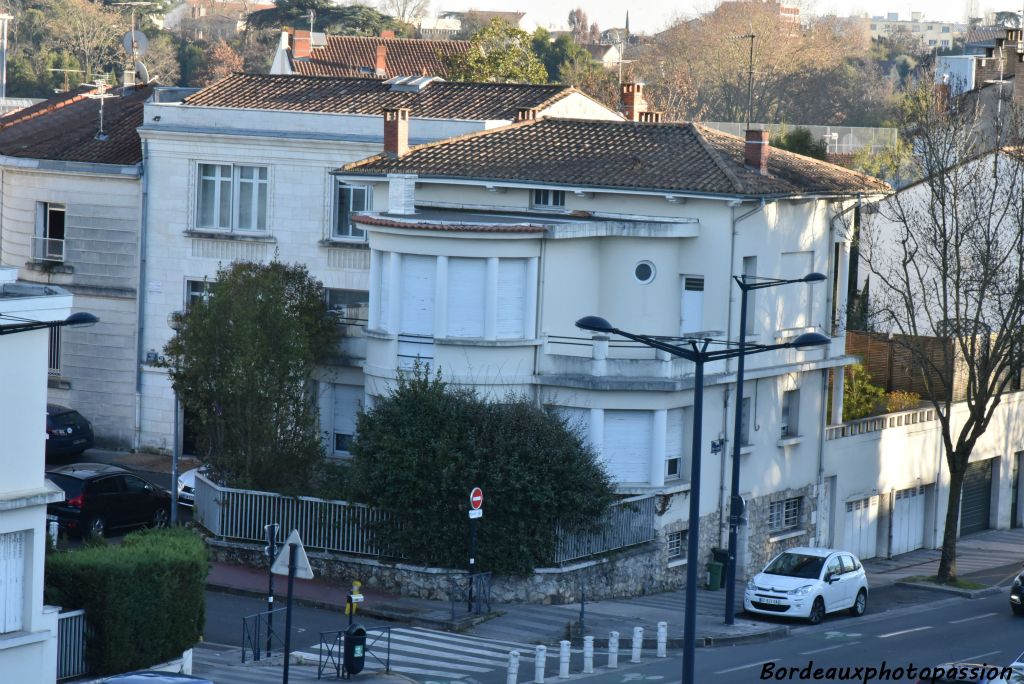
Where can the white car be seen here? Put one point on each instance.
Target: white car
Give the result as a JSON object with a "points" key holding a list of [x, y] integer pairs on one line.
{"points": [[187, 486], [808, 583]]}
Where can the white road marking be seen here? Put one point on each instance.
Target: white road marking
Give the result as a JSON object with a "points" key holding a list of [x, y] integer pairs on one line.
{"points": [[829, 648], [903, 631], [976, 657], [976, 617], [747, 667]]}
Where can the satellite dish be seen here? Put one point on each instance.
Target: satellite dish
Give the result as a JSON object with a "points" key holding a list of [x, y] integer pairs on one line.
{"points": [[141, 72], [136, 39]]}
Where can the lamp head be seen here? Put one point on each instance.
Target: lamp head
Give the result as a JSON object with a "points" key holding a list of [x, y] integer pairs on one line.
{"points": [[595, 324], [809, 341], [814, 277], [81, 319]]}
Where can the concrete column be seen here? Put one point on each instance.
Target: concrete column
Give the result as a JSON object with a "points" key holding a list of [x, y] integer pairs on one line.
{"points": [[374, 313], [660, 428], [530, 321], [394, 292], [441, 298]]}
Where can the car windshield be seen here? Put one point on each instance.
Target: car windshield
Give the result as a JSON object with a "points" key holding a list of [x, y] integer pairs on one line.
{"points": [[72, 486], [796, 565], [66, 418]]}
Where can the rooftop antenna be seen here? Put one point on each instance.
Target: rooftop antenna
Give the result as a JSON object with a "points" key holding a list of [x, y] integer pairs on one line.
{"points": [[750, 76], [67, 86], [135, 44], [101, 86]]}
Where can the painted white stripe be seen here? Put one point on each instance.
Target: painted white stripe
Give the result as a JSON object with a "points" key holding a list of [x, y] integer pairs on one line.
{"points": [[466, 638], [413, 660], [903, 631], [399, 641], [421, 671], [974, 617], [747, 667], [447, 655], [829, 648], [968, 659]]}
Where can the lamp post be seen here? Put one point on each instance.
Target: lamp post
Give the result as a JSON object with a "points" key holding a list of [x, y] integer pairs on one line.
{"points": [[697, 352], [80, 319], [746, 283]]}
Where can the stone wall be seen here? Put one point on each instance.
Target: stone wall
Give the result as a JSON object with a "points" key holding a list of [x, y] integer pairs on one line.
{"points": [[762, 542]]}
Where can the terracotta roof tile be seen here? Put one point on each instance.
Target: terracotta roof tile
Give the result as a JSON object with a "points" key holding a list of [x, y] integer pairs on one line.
{"points": [[64, 128], [357, 56], [438, 99], [583, 153]]}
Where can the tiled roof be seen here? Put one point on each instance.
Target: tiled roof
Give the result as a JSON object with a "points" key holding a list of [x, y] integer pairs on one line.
{"points": [[356, 56], [450, 226], [438, 99], [685, 158], [64, 128]]}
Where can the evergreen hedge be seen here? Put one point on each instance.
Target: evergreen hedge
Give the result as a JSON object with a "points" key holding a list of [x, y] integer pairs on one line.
{"points": [[144, 600]]}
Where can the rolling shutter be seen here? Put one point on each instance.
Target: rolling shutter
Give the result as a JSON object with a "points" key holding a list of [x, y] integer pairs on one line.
{"points": [[384, 310], [627, 445], [417, 297], [511, 299], [467, 292], [976, 503], [12, 580]]}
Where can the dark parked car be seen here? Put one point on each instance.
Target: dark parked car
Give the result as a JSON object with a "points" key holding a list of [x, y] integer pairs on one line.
{"points": [[101, 497], [68, 433], [1017, 594]]}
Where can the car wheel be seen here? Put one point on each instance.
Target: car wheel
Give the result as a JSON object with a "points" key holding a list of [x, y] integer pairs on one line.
{"points": [[817, 611], [1017, 610], [97, 527], [860, 605], [160, 518]]}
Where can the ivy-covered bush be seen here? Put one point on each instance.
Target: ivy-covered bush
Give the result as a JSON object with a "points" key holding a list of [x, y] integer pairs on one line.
{"points": [[420, 450], [143, 600]]}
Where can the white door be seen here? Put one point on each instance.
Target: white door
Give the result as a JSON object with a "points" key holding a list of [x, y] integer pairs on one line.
{"points": [[834, 591], [691, 312], [908, 520], [12, 580], [861, 534]]}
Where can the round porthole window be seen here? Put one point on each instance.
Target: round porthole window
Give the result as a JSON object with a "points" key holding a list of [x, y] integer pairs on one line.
{"points": [[644, 271]]}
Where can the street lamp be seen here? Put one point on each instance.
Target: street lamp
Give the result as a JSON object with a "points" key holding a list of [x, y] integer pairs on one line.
{"points": [[80, 319], [698, 354], [746, 284]]}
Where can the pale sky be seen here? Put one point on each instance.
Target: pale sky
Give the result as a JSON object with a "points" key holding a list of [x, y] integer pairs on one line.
{"points": [[649, 17]]}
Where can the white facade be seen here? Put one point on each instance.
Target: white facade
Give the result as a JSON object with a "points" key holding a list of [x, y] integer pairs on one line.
{"points": [[28, 629]]}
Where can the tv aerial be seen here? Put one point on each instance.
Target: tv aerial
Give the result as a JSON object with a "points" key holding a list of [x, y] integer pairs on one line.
{"points": [[101, 94], [135, 44]]}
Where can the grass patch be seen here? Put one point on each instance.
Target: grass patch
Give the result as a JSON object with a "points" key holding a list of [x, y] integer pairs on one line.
{"points": [[955, 584]]}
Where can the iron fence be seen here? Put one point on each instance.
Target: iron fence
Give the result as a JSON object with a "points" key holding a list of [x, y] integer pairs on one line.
{"points": [[71, 636], [332, 650], [241, 514], [626, 523], [259, 637]]}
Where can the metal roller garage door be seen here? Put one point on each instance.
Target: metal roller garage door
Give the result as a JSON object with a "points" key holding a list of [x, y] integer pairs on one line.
{"points": [[976, 503], [862, 527], [908, 520]]}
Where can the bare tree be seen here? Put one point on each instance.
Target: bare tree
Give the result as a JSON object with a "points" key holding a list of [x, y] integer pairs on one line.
{"points": [[87, 30], [405, 11], [946, 262]]}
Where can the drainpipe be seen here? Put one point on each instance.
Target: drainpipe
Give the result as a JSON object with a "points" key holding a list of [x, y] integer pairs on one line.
{"points": [[140, 290], [539, 309], [723, 476]]}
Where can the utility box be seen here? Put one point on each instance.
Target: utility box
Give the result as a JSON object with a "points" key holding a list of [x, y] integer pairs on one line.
{"points": [[354, 650], [714, 581]]}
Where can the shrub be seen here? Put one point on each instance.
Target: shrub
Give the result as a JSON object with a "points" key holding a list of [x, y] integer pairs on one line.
{"points": [[860, 397], [144, 600], [421, 449], [901, 401]]}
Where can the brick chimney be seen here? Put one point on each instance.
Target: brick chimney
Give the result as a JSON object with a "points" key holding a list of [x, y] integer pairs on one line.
{"points": [[396, 132], [387, 33], [632, 100], [302, 45], [380, 66], [755, 151]]}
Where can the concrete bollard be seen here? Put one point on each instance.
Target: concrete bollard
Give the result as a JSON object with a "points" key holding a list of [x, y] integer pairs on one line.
{"points": [[662, 639], [638, 644], [613, 650], [563, 659], [588, 655], [513, 667], [540, 660]]}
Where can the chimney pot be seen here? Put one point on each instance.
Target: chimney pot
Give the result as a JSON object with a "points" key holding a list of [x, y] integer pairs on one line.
{"points": [[381, 65], [302, 45], [387, 33], [632, 100], [396, 132], [755, 151], [526, 114], [650, 117]]}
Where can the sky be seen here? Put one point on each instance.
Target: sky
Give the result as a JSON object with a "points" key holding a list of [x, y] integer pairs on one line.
{"points": [[649, 16]]}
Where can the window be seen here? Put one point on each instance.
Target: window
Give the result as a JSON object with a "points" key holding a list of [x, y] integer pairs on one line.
{"points": [[348, 400], [232, 197], [784, 515], [834, 567], [849, 564], [350, 200], [12, 580], [548, 198], [945, 29], [931, 42], [196, 290], [53, 365], [692, 305], [644, 272], [628, 439], [351, 305], [874, 27], [675, 445], [135, 485], [49, 242], [944, 43], [676, 543], [467, 296], [511, 304], [790, 414]]}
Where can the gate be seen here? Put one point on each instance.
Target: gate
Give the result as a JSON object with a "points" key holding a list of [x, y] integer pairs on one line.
{"points": [[976, 503]]}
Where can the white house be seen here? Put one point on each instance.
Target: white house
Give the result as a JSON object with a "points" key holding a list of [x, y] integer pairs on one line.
{"points": [[241, 170], [28, 629], [484, 251]]}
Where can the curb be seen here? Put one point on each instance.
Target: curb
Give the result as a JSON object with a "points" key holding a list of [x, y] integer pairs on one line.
{"points": [[966, 593]]}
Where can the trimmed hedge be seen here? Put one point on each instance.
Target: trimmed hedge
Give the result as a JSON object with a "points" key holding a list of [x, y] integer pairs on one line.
{"points": [[144, 600]]}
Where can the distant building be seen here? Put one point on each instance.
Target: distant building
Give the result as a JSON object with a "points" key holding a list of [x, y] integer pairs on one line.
{"points": [[607, 56], [438, 28], [933, 34], [211, 19], [520, 20]]}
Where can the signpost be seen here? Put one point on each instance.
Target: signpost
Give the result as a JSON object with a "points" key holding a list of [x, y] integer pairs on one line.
{"points": [[293, 562], [476, 511], [271, 551]]}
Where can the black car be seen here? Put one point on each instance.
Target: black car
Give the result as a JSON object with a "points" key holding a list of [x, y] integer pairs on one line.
{"points": [[101, 497], [68, 433], [1017, 594]]}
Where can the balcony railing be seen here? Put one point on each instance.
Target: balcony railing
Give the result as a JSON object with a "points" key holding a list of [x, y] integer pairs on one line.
{"points": [[47, 249], [878, 423]]}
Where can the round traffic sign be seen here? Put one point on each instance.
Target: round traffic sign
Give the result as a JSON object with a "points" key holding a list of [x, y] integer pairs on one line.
{"points": [[476, 499]]}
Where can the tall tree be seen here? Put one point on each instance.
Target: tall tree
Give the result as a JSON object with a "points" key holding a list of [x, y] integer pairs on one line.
{"points": [[241, 362], [405, 11], [221, 62], [349, 20], [578, 27], [946, 261], [87, 30], [500, 53]]}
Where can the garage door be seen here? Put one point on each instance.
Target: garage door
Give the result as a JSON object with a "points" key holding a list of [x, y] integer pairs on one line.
{"points": [[862, 527], [977, 497], [908, 520]]}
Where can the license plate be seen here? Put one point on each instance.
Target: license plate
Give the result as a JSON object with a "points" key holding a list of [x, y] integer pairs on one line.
{"points": [[772, 601]]}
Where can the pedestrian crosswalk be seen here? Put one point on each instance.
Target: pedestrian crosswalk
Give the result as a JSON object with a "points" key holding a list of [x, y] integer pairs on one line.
{"points": [[425, 653]]}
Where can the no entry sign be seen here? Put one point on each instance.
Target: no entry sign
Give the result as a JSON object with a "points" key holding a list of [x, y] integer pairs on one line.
{"points": [[476, 499]]}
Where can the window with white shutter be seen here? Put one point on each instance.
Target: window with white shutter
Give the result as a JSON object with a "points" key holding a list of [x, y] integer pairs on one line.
{"points": [[12, 580], [384, 310], [511, 324], [347, 400], [692, 309], [467, 295], [417, 296], [627, 444], [675, 446]]}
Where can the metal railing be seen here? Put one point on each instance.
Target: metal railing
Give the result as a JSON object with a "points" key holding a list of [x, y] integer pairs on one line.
{"points": [[472, 589], [258, 637], [47, 249], [71, 635], [241, 514], [626, 523], [332, 650], [879, 423]]}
